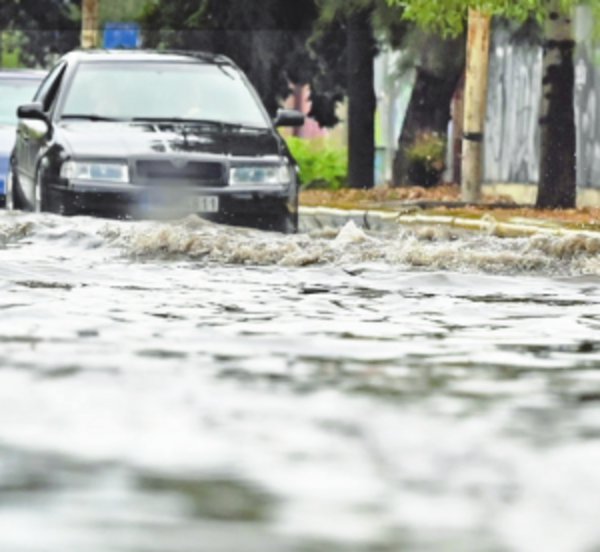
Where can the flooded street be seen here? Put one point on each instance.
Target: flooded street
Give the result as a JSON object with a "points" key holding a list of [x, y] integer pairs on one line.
{"points": [[189, 387]]}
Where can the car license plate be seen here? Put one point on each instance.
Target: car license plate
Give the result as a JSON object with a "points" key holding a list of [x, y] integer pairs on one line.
{"points": [[207, 204]]}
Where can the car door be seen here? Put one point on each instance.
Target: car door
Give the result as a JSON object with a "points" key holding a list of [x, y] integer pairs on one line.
{"points": [[32, 135]]}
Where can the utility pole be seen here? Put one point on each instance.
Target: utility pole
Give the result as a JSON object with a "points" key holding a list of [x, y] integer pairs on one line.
{"points": [[90, 33], [475, 101]]}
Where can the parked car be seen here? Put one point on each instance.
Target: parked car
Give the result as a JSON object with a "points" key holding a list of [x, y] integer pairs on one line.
{"points": [[140, 134], [16, 87]]}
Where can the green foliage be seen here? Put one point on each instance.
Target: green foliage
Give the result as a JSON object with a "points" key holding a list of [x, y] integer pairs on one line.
{"points": [[43, 28], [11, 51], [321, 165], [122, 10], [430, 148], [449, 16]]}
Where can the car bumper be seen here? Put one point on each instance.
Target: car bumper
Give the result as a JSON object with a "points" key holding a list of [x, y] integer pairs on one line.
{"points": [[244, 205]]}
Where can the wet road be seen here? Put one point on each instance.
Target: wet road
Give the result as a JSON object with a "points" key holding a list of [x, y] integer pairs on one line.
{"points": [[189, 387]]}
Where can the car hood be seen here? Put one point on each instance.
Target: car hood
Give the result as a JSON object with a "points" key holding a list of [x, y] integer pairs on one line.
{"points": [[110, 140], [7, 139]]}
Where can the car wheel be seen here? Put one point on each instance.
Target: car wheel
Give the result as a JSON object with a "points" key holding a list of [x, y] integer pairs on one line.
{"points": [[284, 223]]}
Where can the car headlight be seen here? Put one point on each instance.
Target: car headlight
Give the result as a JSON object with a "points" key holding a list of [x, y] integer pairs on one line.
{"points": [[269, 175], [107, 172]]}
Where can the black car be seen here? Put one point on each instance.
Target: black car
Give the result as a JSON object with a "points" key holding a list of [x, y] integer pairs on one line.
{"points": [[142, 134]]}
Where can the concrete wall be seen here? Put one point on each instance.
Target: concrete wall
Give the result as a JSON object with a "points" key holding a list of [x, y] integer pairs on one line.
{"points": [[512, 133], [587, 101]]}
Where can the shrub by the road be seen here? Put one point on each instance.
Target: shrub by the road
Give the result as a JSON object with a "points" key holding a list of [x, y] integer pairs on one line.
{"points": [[321, 165], [426, 159]]}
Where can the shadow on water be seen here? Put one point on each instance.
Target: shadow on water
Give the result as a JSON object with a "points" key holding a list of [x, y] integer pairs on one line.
{"points": [[218, 498], [547, 300]]}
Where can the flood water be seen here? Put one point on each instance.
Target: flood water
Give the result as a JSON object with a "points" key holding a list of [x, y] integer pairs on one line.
{"points": [[186, 387]]}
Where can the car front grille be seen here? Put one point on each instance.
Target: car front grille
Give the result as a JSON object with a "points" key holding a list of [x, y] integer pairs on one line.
{"points": [[190, 173]]}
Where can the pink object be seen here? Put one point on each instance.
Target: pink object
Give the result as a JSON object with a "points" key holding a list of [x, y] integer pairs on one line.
{"points": [[300, 100]]}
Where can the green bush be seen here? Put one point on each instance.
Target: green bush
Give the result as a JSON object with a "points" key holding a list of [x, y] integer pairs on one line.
{"points": [[426, 159], [321, 165]]}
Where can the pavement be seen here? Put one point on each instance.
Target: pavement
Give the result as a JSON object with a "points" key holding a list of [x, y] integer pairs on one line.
{"points": [[393, 215]]}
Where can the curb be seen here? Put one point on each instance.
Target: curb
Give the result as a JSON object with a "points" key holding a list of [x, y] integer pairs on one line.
{"points": [[315, 218]]}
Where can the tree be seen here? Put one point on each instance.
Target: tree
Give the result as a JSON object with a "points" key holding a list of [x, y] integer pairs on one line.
{"points": [[558, 172], [45, 27], [122, 10], [343, 49], [266, 38], [557, 186], [361, 51], [439, 64], [344, 46]]}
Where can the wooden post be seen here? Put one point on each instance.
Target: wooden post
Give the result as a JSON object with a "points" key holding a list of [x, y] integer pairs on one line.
{"points": [[476, 85], [458, 120], [90, 34]]}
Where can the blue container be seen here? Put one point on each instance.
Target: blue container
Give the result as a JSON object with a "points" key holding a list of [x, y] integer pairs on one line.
{"points": [[121, 35], [4, 166]]}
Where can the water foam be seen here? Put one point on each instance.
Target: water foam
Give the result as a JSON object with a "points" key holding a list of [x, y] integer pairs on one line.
{"points": [[431, 247]]}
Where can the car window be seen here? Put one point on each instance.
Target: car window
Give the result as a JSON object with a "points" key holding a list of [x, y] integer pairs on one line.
{"points": [[13, 93], [48, 88], [163, 90]]}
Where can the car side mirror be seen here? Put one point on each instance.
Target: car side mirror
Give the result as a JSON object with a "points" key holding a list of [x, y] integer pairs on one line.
{"points": [[288, 118], [32, 111]]}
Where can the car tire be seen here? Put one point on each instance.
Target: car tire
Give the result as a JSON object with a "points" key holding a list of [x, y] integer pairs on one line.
{"points": [[284, 223]]}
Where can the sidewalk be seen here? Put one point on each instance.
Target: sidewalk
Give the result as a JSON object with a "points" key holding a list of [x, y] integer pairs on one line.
{"points": [[383, 209]]}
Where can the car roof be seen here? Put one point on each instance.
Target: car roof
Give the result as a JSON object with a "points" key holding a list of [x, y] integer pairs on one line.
{"points": [[22, 74], [146, 55]]}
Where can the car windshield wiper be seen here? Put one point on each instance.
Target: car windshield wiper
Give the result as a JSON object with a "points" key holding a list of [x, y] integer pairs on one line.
{"points": [[175, 120], [90, 117], [194, 121]]}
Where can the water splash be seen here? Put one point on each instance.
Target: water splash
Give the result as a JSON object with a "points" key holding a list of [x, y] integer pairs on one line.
{"points": [[427, 247]]}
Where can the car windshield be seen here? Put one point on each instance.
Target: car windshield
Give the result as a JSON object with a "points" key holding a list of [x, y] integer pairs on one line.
{"points": [[162, 91], [13, 93]]}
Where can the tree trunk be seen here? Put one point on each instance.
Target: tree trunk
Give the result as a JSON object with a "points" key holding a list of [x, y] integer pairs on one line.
{"points": [[475, 102], [428, 111], [90, 34], [361, 100], [558, 186]]}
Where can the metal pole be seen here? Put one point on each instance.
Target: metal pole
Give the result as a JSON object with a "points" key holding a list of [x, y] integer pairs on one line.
{"points": [[89, 24], [476, 85]]}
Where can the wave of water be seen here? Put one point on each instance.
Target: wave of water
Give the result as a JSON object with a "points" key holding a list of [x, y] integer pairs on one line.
{"points": [[193, 387], [429, 247]]}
